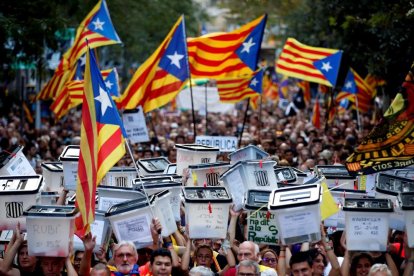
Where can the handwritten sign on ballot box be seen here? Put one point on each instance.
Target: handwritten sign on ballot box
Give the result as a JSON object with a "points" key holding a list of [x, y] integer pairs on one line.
{"points": [[261, 224], [261, 227], [50, 230], [207, 208], [367, 222]]}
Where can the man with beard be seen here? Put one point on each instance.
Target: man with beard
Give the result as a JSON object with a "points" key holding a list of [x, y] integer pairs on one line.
{"points": [[125, 259]]}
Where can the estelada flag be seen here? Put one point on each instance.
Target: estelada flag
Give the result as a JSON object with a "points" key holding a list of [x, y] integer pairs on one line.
{"points": [[390, 145]]}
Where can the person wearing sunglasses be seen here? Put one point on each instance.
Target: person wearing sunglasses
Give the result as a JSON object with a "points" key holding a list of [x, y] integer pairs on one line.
{"points": [[269, 258]]}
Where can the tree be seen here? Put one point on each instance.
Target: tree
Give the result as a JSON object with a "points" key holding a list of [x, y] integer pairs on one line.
{"points": [[376, 34], [27, 27]]}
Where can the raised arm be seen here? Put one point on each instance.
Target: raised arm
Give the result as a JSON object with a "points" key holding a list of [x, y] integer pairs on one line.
{"points": [[89, 243]]}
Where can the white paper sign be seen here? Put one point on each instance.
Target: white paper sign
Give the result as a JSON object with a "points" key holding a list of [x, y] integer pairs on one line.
{"points": [[235, 185], [368, 231], [206, 224], [260, 229], [135, 127], [134, 229], [70, 175], [20, 166], [370, 184], [106, 202], [296, 224], [224, 143], [48, 237]]}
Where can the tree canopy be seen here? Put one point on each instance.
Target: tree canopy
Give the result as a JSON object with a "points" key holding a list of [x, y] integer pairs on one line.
{"points": [[377, 35], [27, 27]]}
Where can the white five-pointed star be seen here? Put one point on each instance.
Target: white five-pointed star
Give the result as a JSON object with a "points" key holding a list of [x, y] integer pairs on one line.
{"points": [[348, 84], [82, 60], [247, 45], [98, 24], [254, 82], [103, 98], [175, 59], [108, 84], [326, 66]]}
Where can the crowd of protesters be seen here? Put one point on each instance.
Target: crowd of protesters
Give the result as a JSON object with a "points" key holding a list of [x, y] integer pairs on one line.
{"points": [[290, 140]]}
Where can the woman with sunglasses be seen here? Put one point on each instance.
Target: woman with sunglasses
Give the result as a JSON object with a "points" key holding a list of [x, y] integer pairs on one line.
{"points": [[270, 259]]}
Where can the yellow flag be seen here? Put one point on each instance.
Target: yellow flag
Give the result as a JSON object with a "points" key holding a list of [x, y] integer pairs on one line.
{"points": [[328, 206], [194, 175]]}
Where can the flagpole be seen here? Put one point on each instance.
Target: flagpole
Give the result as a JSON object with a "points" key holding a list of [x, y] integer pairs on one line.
{"points": [[244, 121], [189, 79], [328, 109], [358, 116], [140, 180], [260, 118], [205, 93]]}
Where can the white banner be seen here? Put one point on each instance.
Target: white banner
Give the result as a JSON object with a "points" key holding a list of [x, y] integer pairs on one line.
{"points": [[224, 143], [135, 127], [199, 99]]}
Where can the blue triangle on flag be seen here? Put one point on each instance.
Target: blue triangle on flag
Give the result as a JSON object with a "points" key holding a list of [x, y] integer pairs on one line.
{"points": [[111, 82], [329, 66], [174, 59], [349, 83], [80, 69], [249, 49], [344, 103], [101, 23], [106, 110], [256, 82]]}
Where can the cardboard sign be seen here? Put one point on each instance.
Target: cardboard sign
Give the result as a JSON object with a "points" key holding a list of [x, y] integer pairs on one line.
{"points": [[260, 229], [224, 143], [135, 127]]}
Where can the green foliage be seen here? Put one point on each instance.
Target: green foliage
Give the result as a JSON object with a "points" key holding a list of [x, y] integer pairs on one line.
{"points": [[141, 25], [376, 34]]}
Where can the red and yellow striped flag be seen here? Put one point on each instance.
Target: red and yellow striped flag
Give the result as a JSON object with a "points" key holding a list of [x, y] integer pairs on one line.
{"points": [[102, 142], [97, 28], [222, 55], [364, 93], [162, 76], [309, 63], [233, 90], [71, 96]]}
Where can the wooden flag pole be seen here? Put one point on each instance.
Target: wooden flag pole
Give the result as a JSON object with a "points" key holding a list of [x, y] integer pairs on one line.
{"points": [[260, 119], [205, 94], [358, 115], [244, 121]]}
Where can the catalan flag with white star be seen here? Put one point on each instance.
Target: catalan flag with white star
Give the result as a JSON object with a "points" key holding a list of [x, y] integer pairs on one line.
{"points": [[98, 29], [233, 90], [102, 142], [357, 91], [314, 64], [223, 55], [162, 76]]}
